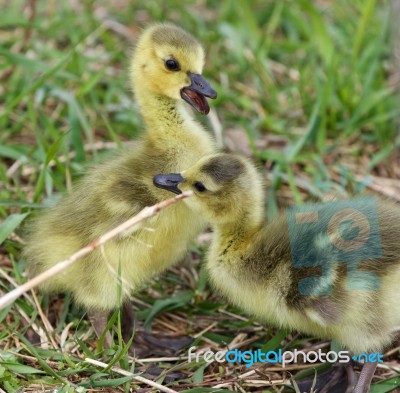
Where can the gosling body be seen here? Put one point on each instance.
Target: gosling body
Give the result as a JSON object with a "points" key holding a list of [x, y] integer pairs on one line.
{"points": [[262, 279], [166, 66]]}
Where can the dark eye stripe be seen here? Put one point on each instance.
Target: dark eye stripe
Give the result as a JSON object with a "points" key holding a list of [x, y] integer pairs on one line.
{"points": [[200, 187]]}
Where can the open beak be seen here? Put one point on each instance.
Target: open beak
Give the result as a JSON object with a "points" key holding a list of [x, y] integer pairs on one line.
{"points": [[168, 182], [196, 93]]}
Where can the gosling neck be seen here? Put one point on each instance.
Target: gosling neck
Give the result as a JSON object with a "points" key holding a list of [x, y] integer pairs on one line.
{"points": [[242, 229], [164, 115]]}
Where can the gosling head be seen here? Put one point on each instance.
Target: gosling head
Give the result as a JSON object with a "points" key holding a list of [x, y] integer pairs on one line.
{"points": [[227, 189], [168, 62]]}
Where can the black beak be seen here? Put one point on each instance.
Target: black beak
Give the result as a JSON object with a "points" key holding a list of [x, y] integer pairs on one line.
{"points": [[195, 93], [201, 86], [168, 182]]}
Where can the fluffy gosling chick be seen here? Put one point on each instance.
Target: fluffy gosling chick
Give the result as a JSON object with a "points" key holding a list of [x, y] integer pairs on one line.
{"points": [[166, 72], [250, 261]]}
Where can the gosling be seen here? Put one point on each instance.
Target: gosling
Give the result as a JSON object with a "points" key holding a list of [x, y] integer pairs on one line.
{"points": [[250, 261], [166, 72]]}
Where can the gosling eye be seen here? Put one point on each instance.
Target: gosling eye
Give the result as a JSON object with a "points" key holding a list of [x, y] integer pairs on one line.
{"points": [[172, 65], [200, 187]]}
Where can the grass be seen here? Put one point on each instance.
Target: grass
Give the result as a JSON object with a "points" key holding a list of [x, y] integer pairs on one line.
{"points": [[308, 88]]}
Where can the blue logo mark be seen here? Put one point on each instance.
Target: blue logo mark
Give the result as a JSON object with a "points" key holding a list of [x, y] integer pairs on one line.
{"points": [[340, 232], [368, 358]]}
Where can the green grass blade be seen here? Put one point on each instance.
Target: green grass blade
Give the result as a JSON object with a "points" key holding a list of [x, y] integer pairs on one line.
{"points": [[386, 386], [10, 224], [367, 13]]}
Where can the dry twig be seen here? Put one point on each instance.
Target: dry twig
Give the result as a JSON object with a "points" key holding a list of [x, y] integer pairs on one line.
{"points": [[130, 224]]}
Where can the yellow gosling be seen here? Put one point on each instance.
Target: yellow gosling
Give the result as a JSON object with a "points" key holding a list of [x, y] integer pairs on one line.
{"points": [[250, 260], [166, 73]]}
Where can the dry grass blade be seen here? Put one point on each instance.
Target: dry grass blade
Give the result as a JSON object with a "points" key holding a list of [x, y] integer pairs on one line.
{"points": [[129, 374]]}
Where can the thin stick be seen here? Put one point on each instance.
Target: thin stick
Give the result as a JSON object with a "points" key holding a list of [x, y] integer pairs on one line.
{"points": [[217, 127], [144, 214], [129, 374]]}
